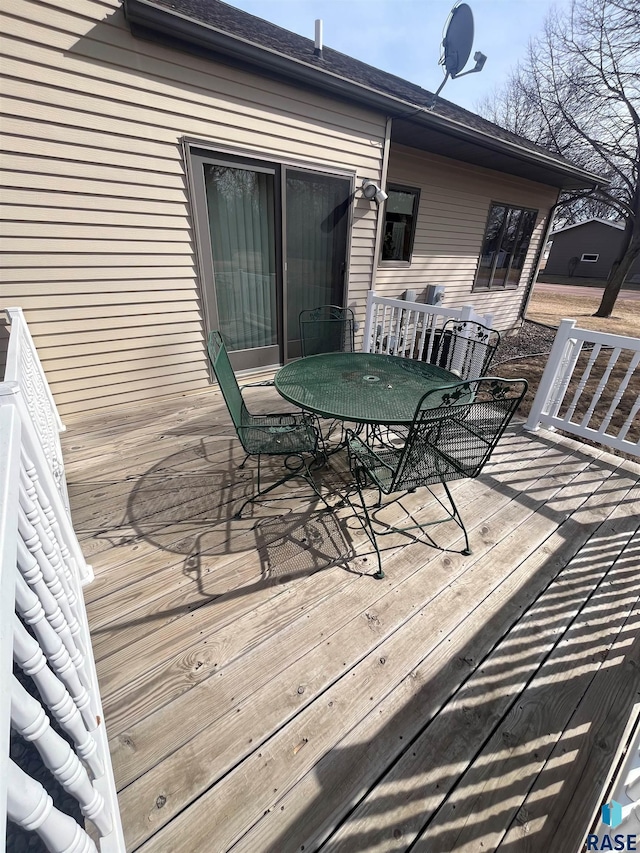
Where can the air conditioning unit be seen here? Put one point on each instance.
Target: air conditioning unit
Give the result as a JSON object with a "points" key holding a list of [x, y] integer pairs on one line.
{"points": [[434, 294]]}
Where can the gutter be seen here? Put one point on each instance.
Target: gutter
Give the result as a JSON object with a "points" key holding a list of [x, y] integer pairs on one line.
{"points": [[536, 267], [380, 218], [160, 19]]}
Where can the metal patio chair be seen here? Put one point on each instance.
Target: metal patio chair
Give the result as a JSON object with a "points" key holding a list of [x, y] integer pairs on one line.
{"points": [[327, 328], [454, 431], [292, 436], [466, 348]]}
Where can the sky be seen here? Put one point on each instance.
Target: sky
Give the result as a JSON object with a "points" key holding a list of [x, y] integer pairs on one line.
{"points": [[404, 36]]}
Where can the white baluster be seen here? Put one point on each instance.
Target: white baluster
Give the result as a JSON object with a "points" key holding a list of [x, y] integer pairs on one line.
{"points": [[41, 549], [29, 805], [622, 387], [601, 386], [49, 544], [30, 570], [40, 497], [69, 715], [29, 656], [30, 720]]}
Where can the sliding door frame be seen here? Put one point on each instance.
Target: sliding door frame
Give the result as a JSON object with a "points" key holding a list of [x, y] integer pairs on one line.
{"points": [[196, 153]]}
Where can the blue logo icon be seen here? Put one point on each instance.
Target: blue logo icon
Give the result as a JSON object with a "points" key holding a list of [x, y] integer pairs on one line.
{"points": [[612, 814]]}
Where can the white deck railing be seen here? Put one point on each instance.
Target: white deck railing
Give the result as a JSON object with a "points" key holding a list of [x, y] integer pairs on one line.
{"points": [[580, 410], [409, 329], [42, 570], [24, 367]]}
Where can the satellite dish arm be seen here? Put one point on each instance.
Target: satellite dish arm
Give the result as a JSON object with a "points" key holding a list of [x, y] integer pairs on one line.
{"points": [[440, 87], [480, 60]]}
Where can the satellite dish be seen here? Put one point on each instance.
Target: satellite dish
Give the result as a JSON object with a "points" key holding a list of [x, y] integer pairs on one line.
{"points": [[456, 45], [458, 39]]}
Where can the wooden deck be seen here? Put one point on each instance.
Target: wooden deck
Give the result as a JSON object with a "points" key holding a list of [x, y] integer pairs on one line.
{"points": [[262, 695]]}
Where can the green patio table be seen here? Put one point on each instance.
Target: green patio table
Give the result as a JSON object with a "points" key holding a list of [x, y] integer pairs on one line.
{"points": [[365, 388]]}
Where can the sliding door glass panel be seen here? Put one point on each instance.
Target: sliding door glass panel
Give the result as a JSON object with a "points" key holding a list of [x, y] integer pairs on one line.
{"points": [[317, 215], [241, 208]]}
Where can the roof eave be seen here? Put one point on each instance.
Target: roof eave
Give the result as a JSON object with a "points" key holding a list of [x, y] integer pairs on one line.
{"points": [[156, 18]]}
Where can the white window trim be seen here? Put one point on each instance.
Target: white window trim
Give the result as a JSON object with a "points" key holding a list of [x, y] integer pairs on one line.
{"points": [[590, 258]]}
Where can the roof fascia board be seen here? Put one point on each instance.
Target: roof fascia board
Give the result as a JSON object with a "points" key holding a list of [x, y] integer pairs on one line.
{"points": [[617, 225], [175, 24]]}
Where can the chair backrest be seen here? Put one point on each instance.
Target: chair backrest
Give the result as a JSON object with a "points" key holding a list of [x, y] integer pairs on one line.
{"points": [[328, 328], [219, 359], [466, 348], [455, 430]]}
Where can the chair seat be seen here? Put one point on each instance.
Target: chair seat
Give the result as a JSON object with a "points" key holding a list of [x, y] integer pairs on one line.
{"points": [[278, 435]]}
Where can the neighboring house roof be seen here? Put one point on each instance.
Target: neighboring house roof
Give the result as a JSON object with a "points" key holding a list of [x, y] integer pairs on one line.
{"points": [[618, 225], [420, 119]]}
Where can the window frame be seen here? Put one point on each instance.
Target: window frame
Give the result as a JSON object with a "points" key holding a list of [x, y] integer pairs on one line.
{"points": [[486, 288], [400, 264]]}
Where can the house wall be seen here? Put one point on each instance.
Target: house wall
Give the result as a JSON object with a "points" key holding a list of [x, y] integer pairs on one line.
{"points": [[592, 237], [454, 205], [96, 223]]}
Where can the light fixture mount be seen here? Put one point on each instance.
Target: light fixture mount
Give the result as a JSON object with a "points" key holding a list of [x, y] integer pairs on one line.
{"points": [[372, 192]]}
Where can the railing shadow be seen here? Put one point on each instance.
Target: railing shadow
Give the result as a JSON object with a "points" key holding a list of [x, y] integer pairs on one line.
{"points": [[454, 764]]}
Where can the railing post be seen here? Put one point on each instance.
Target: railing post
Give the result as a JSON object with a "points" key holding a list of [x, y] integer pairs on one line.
{"points": [[368, 322], [9, 480], [33, 449], [16, 317], [25, 368], [551, 377]]}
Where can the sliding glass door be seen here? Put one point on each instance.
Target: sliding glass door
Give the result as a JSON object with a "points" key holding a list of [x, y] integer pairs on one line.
{"points": [[242, 228], [317, 215], [273, 242]]}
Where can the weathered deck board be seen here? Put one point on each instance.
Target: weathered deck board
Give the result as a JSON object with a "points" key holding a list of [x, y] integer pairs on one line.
{"points": [[261, 695]]}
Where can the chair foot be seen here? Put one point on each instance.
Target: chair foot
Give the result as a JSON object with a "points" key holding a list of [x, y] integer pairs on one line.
{"points": [[379, 575], [466, 552]]}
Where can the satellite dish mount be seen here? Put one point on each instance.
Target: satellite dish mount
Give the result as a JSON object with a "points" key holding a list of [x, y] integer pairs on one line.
{"points": [[456, 45]]}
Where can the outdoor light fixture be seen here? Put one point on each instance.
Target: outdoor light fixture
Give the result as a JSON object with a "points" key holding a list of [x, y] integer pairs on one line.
{"points": [[372, 192]]}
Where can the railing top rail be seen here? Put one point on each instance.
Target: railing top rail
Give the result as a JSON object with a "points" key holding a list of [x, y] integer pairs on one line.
{"points": [[605, 338], [415, 306]]}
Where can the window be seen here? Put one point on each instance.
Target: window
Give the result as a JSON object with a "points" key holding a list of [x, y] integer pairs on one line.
{"points": [[506, 241], [401, 212], [590, 259]]}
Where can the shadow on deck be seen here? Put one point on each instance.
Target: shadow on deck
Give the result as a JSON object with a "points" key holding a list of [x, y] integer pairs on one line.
{"points": [[262, 695]]}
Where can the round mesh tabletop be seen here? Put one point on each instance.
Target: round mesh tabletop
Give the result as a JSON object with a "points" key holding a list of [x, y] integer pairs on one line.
{"points": [[361, 387]]}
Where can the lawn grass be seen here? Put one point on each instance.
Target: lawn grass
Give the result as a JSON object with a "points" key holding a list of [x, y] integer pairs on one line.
{"points": [[551, 308]]}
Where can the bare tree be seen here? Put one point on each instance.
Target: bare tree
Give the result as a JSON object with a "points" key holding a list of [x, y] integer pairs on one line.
{"points": [[578, 93]]}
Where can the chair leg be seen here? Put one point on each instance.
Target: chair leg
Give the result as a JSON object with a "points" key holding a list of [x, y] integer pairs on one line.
{"points": [[367, 526], [301, 471], [453, 514], [458, 519]]}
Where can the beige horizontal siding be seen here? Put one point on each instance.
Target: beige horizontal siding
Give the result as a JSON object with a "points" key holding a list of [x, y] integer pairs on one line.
{"points": [[39, 198], [137, 346], [454, 205], [96, 231]]}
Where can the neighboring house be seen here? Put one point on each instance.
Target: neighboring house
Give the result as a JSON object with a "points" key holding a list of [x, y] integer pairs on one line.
{"points": [[586, 249], [175, 166]]}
